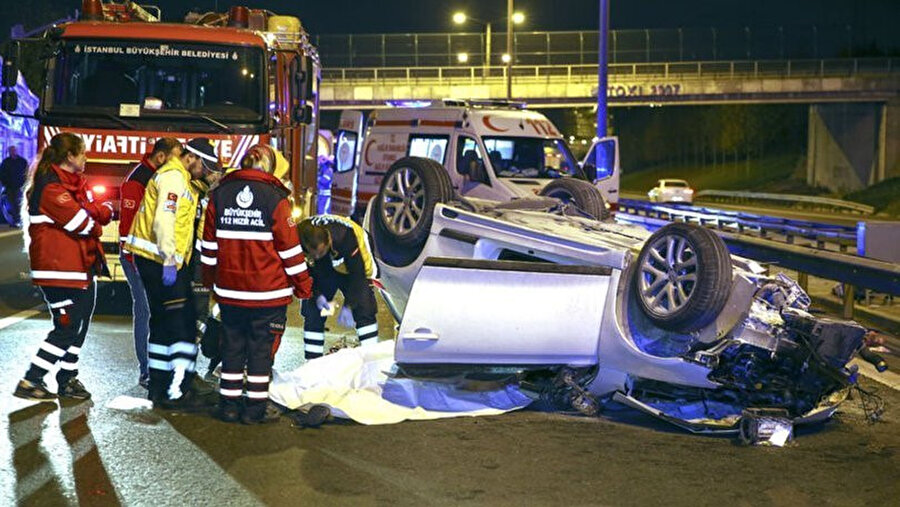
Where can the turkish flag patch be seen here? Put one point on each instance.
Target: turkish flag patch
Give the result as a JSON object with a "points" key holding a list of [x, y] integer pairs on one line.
{"points": [[129, 203], [171, 202], [63, 198]]}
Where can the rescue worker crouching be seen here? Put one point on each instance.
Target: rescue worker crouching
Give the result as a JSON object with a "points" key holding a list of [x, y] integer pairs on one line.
{"points": [[252, 259], [337, 250], [162, 239], [65, 254]]}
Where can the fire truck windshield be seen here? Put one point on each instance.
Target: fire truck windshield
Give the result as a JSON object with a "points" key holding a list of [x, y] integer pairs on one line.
{"points": [[194, 83]]}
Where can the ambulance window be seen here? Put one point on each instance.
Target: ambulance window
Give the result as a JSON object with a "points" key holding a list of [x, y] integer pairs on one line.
{"points": [[469, 160], [433, 147], [346, 151]]}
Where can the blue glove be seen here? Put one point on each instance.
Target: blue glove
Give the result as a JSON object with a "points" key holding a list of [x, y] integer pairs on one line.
{"points": [[345, 318], [169, 274]]}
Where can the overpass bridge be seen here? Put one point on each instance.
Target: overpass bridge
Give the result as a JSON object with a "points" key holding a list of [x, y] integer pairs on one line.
{"points": [[701, 82], [854, 103]]}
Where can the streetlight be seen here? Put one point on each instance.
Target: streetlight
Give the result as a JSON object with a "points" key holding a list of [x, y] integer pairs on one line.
{"points": [[462, 57], [512, 18]]}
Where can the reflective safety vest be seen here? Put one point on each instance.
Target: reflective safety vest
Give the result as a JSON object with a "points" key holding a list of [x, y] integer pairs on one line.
{"points": [[142, 241], [347, 236]]}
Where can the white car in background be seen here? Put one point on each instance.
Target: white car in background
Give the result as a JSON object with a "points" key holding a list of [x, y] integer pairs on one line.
{"points": [[669, 190]]}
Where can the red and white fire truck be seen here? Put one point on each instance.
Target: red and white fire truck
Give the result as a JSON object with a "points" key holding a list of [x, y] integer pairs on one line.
{"points": [[120, 79]]}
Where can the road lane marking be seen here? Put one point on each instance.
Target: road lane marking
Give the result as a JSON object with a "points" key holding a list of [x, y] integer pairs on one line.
{"points": [[14, 319], [11, 233]]}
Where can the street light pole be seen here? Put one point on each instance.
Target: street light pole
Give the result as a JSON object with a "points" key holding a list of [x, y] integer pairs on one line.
{"points": [[509, 48], [603, 58], [487, 49]]}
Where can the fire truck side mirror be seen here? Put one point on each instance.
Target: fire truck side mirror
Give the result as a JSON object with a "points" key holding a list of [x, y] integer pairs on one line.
{"points": [[9, 101], [10, 71], [303, 114]]}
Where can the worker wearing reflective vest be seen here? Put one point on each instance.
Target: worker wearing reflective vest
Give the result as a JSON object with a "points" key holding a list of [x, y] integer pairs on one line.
{"points": [[337, 250], [132, 194], [162, 239], [253, 261], [64, 230]]}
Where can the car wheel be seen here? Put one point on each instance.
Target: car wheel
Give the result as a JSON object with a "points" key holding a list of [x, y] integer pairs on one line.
{"points": [[580, 193], [683, 277], [404, 208]]}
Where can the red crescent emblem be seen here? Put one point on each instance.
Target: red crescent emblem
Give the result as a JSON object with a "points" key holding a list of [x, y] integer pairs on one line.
{"points": [[487, 123], [366, 153]]}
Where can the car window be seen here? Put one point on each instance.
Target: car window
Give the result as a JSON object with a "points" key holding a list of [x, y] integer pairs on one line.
{"points": [[676, 184], [433, 147]]}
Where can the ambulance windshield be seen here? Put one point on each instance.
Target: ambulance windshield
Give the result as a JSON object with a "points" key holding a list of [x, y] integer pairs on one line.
{"points": [[225, 83], [531, 157]]}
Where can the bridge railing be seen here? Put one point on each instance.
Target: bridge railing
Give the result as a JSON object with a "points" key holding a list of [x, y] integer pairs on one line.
{"points": [[743, 69], [580, 47]]}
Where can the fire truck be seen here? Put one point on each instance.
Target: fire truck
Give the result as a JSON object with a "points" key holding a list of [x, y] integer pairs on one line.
{"points": [[120, 78]]}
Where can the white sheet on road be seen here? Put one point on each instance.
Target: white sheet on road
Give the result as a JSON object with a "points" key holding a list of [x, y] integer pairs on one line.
{"points": [[352, 382]]}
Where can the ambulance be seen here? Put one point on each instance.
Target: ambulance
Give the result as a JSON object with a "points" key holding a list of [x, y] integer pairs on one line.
{"points": [[121, 79], [494, 150]]}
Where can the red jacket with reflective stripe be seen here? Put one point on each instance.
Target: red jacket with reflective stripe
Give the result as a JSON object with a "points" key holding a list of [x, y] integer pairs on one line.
{"points": [[64, 229], [250, 250], [132, 195]]}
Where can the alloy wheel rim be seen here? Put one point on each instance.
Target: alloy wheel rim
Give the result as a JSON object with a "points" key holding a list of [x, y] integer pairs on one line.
{"points": [[403, 201], [668, 274]]}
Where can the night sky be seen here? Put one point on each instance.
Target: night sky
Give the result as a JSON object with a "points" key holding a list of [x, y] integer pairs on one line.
{"points": [[871, 19]]}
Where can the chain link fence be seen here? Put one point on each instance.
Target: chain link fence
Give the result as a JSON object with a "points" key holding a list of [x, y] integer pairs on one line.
{"points": [[574, 48]]}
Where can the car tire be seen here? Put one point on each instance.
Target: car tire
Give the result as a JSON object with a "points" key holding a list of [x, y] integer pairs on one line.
{"points": [[683, 277], [580, 193], [400, 239]]}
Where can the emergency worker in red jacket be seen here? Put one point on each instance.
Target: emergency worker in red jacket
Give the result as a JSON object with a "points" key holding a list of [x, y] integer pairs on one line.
{"points": [[252, 259], [133, 189], [64, 229]]}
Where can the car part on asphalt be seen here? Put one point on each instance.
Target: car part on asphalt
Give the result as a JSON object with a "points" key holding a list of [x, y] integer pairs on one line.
{"points": [[766, 427], [683, 277]]}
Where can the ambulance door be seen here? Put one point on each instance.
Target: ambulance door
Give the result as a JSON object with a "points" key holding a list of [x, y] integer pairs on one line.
{"points": [[601, 165], [344, 186]]}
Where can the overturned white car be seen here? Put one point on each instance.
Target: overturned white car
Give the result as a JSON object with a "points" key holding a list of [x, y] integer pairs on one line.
{"points": [[584, 312]]}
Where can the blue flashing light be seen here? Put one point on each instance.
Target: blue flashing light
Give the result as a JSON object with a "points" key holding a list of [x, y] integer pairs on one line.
{"points": [[861, 239], [408, 103]]}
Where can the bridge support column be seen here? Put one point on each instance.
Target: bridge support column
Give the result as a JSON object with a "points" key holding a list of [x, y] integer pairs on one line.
{"points": [[852, 146], [889, 140]]}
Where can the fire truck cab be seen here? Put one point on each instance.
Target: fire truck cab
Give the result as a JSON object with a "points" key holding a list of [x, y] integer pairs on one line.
{"points": [[121, 79], [495, 150]]}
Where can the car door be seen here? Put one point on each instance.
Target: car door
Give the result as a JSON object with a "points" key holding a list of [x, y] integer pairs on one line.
{"points": [[481, 311]]}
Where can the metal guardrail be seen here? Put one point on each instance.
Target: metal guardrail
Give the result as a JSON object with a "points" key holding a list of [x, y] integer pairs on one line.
{"points": [[821, 202], [824, 237], [742, 69]]}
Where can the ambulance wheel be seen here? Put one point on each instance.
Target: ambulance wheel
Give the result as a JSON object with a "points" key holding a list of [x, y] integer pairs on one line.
{"points": [[682, 277], [406, 199], [582, 194]]}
